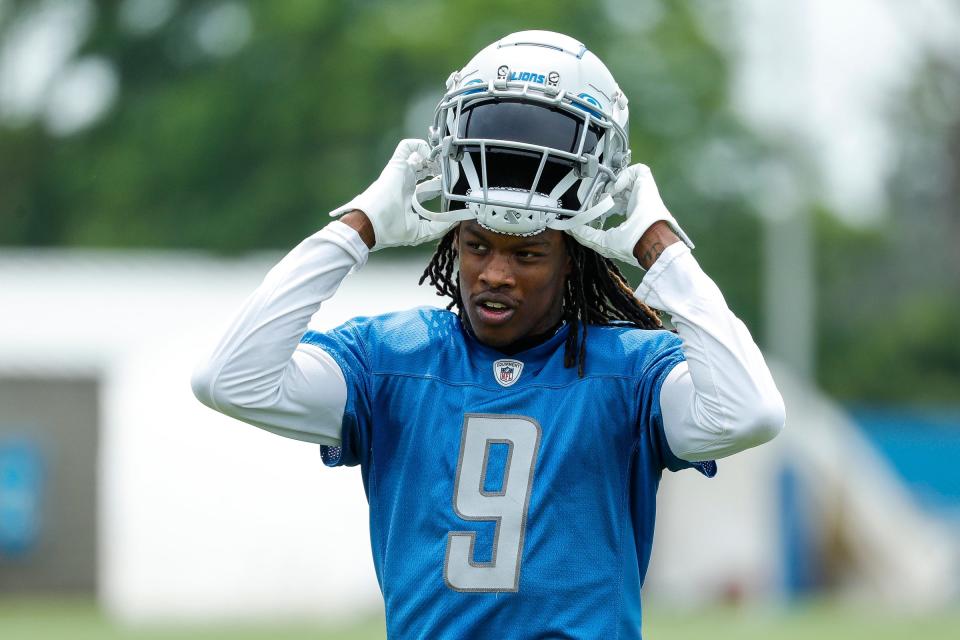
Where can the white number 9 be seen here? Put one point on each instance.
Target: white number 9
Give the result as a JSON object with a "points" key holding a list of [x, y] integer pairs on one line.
{"points": [[507, 507]]}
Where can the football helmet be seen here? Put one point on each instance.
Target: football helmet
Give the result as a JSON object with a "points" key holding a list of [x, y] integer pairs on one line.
{"points": [[527, 137]]}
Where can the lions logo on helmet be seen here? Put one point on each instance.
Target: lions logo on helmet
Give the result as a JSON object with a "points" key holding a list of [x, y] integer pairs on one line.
{"points": [[527, 137]]}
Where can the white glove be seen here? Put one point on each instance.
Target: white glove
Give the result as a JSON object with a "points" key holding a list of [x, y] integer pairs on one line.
{"points": [[387, 201], [636, 193]]}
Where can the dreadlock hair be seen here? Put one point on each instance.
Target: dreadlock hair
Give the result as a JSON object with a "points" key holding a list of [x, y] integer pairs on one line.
{"points": [[596, 292]]}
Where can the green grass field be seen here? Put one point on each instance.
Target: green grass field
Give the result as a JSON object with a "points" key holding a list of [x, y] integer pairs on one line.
{"points": [[80, 620]]}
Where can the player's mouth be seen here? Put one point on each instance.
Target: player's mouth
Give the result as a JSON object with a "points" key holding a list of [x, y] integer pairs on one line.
{"points": [[494, 308]]}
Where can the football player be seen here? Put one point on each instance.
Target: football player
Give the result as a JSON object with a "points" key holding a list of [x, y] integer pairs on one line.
{"points": [[510, 445]]}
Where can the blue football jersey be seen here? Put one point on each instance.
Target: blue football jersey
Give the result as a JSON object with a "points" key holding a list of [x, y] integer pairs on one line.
{"points": [[509, 498]]}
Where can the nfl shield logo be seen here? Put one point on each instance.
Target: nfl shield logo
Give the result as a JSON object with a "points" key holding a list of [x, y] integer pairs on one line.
{"points": [[506, 372]]}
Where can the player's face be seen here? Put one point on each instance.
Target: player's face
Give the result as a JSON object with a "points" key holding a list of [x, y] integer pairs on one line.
{"points": [[511, 287]]}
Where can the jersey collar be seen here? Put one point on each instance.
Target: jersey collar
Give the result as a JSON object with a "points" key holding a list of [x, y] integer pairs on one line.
{"points": [[533, 357]]}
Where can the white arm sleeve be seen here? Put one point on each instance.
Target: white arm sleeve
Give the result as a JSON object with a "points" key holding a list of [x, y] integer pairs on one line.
{"points": [[259, 372], [723, 399]]}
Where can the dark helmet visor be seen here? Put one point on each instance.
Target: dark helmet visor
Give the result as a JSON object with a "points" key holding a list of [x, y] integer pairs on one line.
{"points": [[515, 121]]}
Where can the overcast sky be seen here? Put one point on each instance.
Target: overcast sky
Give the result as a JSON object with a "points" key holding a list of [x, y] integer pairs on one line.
{"points": [[820, 72]]}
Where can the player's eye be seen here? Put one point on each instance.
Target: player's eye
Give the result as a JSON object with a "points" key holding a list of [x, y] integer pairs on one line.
{"points": [[478, 247]]}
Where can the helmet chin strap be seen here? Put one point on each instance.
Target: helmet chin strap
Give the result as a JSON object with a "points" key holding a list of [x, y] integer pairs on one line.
{"points": [[584, 217], [428, 190]]}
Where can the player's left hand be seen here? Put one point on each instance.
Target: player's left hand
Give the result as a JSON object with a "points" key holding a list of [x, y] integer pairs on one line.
{"points": [[386, 202], [635, 193]]}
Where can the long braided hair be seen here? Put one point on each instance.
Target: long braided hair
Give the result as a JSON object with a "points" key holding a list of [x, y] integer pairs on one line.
{"points": [[596, 292]]}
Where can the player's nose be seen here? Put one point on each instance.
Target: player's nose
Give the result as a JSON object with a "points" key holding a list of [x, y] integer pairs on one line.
{"points": [[497, 271]]}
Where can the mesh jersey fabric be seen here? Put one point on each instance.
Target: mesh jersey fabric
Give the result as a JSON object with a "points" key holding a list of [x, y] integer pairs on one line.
{"points": [[414, 381]]}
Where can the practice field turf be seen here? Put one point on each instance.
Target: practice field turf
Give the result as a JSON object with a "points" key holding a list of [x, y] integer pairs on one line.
{"points": [[79, 620]]}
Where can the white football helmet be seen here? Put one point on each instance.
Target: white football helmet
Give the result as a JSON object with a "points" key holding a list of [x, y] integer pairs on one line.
{"points": [[527, 136]]}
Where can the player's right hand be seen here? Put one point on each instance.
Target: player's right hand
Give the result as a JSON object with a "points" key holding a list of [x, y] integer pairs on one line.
{"points": [[386, 202]]}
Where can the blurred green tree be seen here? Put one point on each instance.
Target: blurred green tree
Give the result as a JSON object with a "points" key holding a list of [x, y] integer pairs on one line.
{"points": [[235, 125], [898, 285], [236, 142]]}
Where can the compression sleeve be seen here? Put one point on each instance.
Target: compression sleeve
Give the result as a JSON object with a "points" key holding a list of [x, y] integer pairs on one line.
{"points": [[259, 372], [722, 399]]}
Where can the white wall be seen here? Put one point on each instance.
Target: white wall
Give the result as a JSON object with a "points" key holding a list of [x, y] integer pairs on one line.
{"points": [[200, 515]]}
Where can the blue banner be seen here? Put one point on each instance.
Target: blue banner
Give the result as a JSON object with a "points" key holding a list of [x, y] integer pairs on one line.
{"points": [[21, 489]]}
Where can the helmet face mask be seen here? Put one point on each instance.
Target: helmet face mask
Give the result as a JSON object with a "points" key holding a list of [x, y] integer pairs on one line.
{"points": [[527, 136]]}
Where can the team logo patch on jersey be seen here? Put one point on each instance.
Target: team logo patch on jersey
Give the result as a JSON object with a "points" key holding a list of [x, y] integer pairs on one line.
{"points": [[506, 372]]}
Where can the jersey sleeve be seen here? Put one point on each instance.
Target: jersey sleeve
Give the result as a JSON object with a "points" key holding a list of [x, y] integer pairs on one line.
{"points": [[666, 355], [346, 346]]}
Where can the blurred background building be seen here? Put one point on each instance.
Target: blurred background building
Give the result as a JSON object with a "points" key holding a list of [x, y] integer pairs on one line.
{"points": [[157, 156]]}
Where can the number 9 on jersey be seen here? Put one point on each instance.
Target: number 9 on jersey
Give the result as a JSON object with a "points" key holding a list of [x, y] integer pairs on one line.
{"points": [[506, 506]]}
